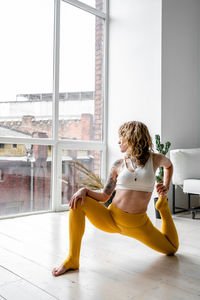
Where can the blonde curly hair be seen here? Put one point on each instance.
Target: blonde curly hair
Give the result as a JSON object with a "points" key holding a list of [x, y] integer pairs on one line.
{"points": [[138, 139]]}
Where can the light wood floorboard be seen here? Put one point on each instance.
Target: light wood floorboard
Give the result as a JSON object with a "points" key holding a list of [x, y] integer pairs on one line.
{"points": [[112, 267]]}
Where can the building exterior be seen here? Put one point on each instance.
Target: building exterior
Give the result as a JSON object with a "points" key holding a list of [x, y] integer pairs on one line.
{"points": [[25, 170]]}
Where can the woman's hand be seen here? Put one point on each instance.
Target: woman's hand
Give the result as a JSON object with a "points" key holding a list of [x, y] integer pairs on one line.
{"points": [[162, 189], [79, 195]]}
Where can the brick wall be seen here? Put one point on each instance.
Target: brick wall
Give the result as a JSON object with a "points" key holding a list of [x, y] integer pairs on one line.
{"points": [[79, 129]]}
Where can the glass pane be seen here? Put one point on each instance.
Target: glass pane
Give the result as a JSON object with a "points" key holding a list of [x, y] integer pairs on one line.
{"points": [[81, 75], [26, 60], [25, 178], [76, 165]]}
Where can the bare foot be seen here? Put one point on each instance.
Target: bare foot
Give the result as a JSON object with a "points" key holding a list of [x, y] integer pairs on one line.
{"points": [[59, 271], [62, 269]]}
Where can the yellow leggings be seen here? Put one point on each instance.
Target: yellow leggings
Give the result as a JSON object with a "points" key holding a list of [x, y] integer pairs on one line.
{"points": [[114, 220]]}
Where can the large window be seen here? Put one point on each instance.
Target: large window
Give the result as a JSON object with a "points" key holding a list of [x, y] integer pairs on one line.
{"points": [[52, 101]]}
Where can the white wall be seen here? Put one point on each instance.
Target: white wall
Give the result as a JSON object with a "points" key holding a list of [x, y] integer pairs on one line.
{"points": [[180, 73], [134, 67], [180, 121], [198, 74]]}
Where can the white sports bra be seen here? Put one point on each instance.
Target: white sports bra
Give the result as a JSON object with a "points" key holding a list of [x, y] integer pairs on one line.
{"points": [[141, 179]]}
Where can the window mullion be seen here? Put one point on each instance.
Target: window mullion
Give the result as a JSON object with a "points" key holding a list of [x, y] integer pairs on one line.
{"points": [[33, 141], [55, 102], [56, 69]]}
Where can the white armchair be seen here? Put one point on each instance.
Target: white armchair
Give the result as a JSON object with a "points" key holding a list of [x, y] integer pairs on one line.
{"points": [[186, 174]]}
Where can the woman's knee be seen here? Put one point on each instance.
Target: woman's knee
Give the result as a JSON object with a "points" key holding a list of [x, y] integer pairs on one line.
{"points": [[84, 204]]}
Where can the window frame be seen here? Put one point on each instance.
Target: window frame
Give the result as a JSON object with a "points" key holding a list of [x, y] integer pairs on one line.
{"points": [[57, 144]]}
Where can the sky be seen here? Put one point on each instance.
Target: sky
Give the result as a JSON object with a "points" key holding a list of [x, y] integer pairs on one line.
{"points": [[26, 52]]}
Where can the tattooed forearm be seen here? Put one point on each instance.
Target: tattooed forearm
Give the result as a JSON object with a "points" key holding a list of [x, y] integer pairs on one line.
{"points": [[117, 163], [109, 186], [111, 182]]}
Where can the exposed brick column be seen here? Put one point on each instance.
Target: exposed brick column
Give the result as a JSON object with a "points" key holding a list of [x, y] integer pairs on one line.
{"points": [[98, 115], [98, 75]]}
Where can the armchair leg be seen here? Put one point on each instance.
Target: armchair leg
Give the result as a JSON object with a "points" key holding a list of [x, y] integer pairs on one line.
{"points": [[173, 200], [189, 202]]}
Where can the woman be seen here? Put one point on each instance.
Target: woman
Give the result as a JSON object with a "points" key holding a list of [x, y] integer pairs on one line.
{"points": [[133, 179]]}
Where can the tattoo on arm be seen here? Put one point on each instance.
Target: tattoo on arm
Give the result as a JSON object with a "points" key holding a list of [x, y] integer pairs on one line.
{"points": [[117, 163], [110, 185], [111, 182]]}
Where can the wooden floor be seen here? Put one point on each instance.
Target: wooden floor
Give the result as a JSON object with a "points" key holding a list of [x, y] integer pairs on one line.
{"points": [[112, 266]]}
